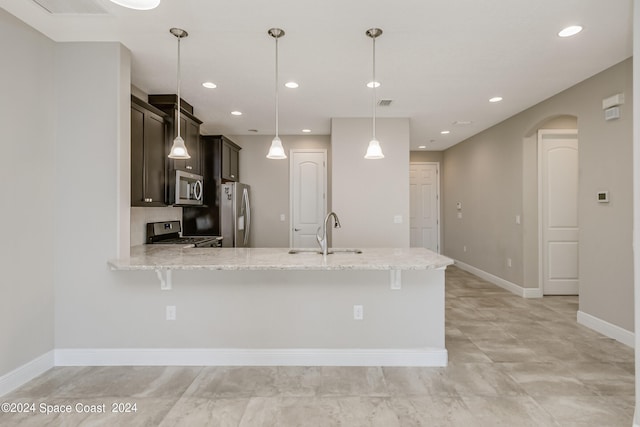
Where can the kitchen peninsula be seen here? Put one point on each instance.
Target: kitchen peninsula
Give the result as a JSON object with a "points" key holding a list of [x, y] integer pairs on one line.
{"points": [[381, 307]]}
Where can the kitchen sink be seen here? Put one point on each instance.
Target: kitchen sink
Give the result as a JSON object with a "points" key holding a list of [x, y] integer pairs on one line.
{"points": [[331, 251]]}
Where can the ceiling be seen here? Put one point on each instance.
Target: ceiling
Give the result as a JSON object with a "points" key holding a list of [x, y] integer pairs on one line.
{"points": [[439, 61]]}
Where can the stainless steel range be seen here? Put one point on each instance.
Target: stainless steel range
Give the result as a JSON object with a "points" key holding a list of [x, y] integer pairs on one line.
{"points": [[168, 232]]}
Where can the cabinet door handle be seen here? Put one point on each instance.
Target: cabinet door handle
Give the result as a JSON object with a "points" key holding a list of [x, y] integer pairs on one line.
{"points": [[297, 229]]}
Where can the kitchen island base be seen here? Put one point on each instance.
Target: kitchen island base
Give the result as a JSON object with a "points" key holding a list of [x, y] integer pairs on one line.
{"points": [[301, 317]]}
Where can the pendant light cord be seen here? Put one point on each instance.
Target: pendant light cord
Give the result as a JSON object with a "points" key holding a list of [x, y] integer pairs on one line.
{"points": [[277, 86], [179, 38], [374, 87]]}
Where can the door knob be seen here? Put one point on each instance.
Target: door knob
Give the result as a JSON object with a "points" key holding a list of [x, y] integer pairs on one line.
{"points": [[297, 229]]}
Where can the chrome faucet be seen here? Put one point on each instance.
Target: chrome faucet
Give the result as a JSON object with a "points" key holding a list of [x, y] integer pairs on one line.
{"points": [[321, 234]]}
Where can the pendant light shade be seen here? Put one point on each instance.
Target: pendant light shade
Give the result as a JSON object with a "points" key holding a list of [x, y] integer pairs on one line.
{"points": [[276, 151], [374, 151], [178, 149], [138, 4]]}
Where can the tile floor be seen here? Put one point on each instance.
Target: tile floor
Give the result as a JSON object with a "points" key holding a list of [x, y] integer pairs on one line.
{"points": [[513, 362]]}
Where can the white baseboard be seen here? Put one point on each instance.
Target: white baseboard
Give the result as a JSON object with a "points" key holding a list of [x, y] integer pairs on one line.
{"points": [[433, 357], [26, 372], [498, 281], [607, 329]]}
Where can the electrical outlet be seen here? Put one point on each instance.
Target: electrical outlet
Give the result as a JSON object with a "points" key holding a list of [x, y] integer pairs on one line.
{"points": [[171, 312], [358, 312], [396, 279], [509, 262], [464, 248]]}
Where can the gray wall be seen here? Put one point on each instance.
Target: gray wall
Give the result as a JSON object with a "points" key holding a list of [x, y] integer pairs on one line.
{"points": [[636, 195], [426, 156], [26, 247], [269, 181], [492, 175], [368, 194], [94, 117]]}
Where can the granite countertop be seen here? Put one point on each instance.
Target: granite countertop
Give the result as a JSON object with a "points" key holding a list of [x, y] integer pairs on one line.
{"points": [[177, 257]]}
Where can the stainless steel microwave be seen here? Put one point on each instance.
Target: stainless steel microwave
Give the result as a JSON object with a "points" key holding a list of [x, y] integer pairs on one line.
{"points": [[188, 188]]}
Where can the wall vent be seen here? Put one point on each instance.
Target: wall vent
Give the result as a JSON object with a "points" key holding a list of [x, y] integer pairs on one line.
{"points": [[384, 102], [77, 7]]}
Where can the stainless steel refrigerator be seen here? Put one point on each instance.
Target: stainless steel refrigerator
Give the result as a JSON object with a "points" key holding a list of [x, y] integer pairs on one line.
{"points": [[235, 214]]}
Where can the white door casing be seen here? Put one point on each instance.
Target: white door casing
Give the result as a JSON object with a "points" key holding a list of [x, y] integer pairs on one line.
{"points": [[424, 182], [558, 211], [308, 188]]}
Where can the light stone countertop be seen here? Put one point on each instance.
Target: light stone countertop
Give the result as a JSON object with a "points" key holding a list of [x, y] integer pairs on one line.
{"points": [[177, 257]]}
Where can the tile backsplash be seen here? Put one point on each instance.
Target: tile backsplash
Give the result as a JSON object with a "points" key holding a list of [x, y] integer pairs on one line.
{"points": [[141, 216]]}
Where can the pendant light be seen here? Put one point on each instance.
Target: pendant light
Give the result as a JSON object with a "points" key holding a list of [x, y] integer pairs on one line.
{"points": [[178, 149], [276, 151], [373, 150]]}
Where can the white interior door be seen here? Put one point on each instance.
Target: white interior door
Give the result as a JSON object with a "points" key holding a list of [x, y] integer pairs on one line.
{"points": [[424, 205], [558, 162], [308, 196]]}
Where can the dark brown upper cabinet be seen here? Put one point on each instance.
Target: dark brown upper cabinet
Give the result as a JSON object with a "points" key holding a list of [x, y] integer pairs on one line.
{"points": [[149, 161], [223, 157], [189, 130]]}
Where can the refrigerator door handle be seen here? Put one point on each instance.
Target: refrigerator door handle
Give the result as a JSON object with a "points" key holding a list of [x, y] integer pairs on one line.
{"points": [[247, 209]]}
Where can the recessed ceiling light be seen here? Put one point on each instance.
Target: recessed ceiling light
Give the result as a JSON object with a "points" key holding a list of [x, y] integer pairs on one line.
{"points": [[209, 85], [291, 85], [462, 122], [138, 4], [306, 130], [236, 113], [570, 31], [372, 84], [495, 99], [422, 146], [445, 132], [253, 130]]}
